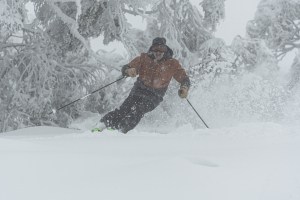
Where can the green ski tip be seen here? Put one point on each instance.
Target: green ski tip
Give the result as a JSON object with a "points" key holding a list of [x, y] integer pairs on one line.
{"points": [[97, 130], [94, 130]]}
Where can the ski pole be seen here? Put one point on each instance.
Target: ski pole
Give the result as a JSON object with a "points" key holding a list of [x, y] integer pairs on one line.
{"points": [[55, 110], [197, 113]]}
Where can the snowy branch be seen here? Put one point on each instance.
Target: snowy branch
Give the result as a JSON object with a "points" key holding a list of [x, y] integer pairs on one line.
{"points": [[6, 38], [71, 23], [78, 13], [139, 12], [8, 45]]}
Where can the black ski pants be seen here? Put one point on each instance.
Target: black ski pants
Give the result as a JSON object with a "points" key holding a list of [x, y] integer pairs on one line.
{"points": [[129, 114]]}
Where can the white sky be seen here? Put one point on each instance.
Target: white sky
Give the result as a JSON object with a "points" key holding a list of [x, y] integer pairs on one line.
{"points": [[237, 14]]}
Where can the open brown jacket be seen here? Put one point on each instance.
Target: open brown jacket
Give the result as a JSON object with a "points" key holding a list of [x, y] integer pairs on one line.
{"points": [[158, 75], [154, 78]]}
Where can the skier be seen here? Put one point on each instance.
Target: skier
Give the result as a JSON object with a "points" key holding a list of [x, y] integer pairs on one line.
{"points": [[155, 70]]}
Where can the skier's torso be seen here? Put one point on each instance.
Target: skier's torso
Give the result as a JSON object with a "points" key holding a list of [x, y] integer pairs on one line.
{"points": [[157, 75]]}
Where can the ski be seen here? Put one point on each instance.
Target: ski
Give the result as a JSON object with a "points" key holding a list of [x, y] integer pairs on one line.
{"points": [[99, 130]]}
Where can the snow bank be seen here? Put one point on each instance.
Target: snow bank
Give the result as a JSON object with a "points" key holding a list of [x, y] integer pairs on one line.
{"points": [[251, 161]]}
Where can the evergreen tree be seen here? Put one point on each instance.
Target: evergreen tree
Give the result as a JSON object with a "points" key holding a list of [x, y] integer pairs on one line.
{"points": [[253, 55], [216, 59], [278, 23], [12, 14], [214, 11]]}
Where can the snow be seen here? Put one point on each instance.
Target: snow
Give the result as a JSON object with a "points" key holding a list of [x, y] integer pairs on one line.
{"points": [[247, 162]]}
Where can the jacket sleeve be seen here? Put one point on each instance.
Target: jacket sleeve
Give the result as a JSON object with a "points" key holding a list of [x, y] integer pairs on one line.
{"points": [[135, 63], [181, 76]]}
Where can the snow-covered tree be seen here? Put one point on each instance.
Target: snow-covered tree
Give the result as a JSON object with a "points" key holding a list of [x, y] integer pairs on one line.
{"points": [[36, 76], [215, 59], [70, 23], [278, 23], [60, 22], [253, 55], [35, 79], [12, 15], [214, 12], [52, 63]]}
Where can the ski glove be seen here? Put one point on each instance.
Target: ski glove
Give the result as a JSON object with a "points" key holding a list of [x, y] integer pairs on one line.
{"points": [[131, 72], [183, 92]]}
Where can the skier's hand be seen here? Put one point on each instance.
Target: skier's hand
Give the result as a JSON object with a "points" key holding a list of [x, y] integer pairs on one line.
{"points": [[131, 72], [183, 92]]}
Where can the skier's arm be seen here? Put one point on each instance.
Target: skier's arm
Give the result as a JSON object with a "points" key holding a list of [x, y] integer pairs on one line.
{"points": [[134, 64], [181, 76]]}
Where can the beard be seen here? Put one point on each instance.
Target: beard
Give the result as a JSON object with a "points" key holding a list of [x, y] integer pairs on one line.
{"points": [[158, 56]]}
